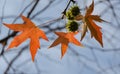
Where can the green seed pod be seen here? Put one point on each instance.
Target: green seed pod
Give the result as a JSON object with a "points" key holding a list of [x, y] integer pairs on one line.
{"points": [[75, 10], [69, 15], [72, 26]]}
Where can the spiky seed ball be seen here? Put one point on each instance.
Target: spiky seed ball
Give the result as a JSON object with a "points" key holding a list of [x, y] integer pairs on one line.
{"points": [[69, 15], [75, 10], [72, 26]]}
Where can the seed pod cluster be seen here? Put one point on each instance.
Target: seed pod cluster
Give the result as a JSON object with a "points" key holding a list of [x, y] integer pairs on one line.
{"points": [[72, 26], [71, 13]]}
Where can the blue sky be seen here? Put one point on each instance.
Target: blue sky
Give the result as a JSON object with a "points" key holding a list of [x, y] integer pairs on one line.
{"points": [[90, 59]]}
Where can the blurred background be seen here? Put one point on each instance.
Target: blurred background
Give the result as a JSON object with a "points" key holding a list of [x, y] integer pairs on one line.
{"points": [[90, 59]]}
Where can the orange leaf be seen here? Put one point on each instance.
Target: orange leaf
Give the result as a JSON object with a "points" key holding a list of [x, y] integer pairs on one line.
{"points": [[29, 30], [84, 30], [90, 9], [96, 18], [65, 39], [95, 31], [89, 24]]}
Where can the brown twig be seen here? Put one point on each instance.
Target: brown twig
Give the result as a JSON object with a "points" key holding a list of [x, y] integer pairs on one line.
{"points": [[64, 12]]}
